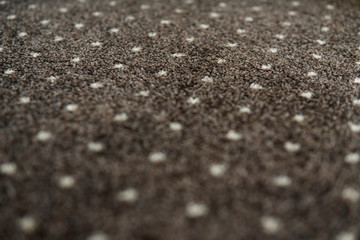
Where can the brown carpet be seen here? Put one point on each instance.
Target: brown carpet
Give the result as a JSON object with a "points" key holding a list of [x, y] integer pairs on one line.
{"points": [[177, 120]]}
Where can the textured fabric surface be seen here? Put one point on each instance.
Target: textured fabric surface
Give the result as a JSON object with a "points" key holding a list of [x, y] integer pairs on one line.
{"points": [[179, 120]]}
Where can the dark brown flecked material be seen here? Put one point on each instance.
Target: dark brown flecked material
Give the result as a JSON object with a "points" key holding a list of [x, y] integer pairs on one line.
{"points": [[288, 168]]}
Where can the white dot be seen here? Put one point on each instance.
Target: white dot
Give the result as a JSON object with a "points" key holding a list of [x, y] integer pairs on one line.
{"points": [[270, 225], [346, 236], [96, 146], [356, 102], [312, 74], [97, 14], [325, 29], [63, 10], [11, 17], [112, 3], [118, 66], [24, 100], [307, 95], [241, 31], [357, 80], [256, 8], [286, 24], [3, 2], [35, 54], [96, 85], [231, 45], [52, 79], [222, 5], [249, 19], [204, 26], [136, 49], [214, 15], [27, 224], [327, 17], [190, 39], [178, 10], [255, 86], [218, 170], [96, 44], [144, 93], [144, 7], [233, 135], [175, 126], [354, 127], [280, 36], [157, 157], [196, 210], [8, 169], [299, 118], [295, 3], [358, 63], [292, 13], [45, 22], [43, 136], [114, 30], [273, 50], [66, 182], [129, 18], [75, 60], [352, 158], [161, 73], [292, 147], [32, 6], [1, 49], [221, 61], [71, 107], [189, 1], [165, 22], [98, 236], [9, 72], [58, 39], [79, 25], [122, 117], [281, 181], [330, 7], [266, 67], [244, 110], [193, 100], [351, 194], [316, 56], [178, 55], [129, 195], [23, 34], [152, 34], [320, 42], [207, 79]]}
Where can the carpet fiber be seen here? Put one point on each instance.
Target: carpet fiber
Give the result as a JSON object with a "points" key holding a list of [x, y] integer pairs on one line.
{"points": [[164, 119]]}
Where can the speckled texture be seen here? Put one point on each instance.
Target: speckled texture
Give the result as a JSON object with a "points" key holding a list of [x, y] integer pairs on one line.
{"points": [[280, 124]]}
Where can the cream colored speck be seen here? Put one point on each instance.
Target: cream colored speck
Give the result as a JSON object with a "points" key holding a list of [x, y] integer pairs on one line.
{"points": [[175, 126], [96, 146], [43, 136], [157, 157], [292, 147], [352, 158], [122, 117], [8, 169], [27, 224], [233, 135], [66, 182], [196, 210]]}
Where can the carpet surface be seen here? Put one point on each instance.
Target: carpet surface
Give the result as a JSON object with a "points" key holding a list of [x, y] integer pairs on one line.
{"points": [[179, 120]]}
